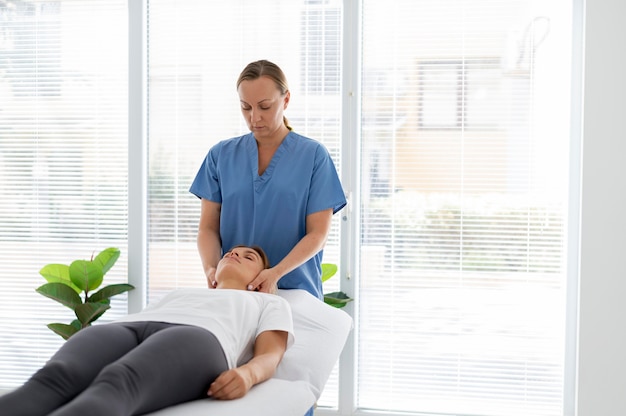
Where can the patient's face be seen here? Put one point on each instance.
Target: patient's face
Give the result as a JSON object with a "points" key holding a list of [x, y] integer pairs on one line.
{"points": [[238, 267]]}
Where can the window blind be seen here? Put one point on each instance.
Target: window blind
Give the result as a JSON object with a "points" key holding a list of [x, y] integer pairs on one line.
{"points": [[63, 168], [464, 146], [196, 51], [465, 135]]}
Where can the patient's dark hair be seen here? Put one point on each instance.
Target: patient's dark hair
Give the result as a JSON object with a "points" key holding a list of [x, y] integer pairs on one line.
{"points": [[260, 252]]}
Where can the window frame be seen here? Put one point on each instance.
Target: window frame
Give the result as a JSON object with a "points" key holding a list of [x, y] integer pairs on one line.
{"points": [[350, 161]]}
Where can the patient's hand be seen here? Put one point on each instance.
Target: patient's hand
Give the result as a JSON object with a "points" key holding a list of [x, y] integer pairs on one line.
{"points": [[269, 348], [231, 384]]}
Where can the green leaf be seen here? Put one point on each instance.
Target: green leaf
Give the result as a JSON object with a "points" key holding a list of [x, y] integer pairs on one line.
{"points": [[62, 293], [86, 274], [108, 292], [55, 272], [65, 330], [58, 273], [328, 271], [337, 299], [89, 312], [103, 302], [107, 258], [76, 324]]}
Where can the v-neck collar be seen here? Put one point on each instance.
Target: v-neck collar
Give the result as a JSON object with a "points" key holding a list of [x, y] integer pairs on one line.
{"points": [[253, 154]]}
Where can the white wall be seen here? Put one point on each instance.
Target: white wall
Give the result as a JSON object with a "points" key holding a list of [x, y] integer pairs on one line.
{"points": [[602, 323]]}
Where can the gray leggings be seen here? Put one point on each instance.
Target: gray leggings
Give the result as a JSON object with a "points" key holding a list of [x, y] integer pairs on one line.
{"points": [[121, 369]]}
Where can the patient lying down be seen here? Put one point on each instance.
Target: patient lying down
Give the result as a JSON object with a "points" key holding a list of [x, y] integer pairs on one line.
{"points": [[191, 344]]}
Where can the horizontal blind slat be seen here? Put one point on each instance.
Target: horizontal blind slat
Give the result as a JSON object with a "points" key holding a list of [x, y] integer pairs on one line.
{"points": [[63, 170]]}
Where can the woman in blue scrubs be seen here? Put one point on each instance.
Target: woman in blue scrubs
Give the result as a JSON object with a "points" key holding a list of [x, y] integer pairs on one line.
{"points": [[271, 187]]}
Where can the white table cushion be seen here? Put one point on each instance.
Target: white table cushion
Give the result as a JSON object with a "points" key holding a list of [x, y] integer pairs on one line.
{"points": [[320, 334]]}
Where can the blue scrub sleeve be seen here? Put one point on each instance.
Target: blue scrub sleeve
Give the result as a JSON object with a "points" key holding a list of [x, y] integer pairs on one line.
{"points": [[326, 190], [206, 185]]}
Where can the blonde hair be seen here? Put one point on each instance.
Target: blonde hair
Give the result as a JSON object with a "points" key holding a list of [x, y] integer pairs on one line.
{"points": [[264, 68]]}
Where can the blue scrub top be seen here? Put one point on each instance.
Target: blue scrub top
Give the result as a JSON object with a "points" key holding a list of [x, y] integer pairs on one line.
{"points": [[270, 210]]}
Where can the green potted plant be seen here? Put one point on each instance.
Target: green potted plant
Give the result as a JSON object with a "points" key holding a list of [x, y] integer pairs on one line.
{"points": [[336, 299], [67, 283]]}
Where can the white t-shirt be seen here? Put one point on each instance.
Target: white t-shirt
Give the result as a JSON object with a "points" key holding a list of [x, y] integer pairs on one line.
{"points": [[235, 317]]}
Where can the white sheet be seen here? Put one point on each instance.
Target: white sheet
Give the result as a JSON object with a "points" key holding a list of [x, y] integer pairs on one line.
{"points": [[320, 334], [274, 397]]}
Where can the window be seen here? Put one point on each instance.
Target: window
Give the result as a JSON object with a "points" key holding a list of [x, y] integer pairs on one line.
{"points": [[321, 39], [196, 51], [27, 26], [463, 201], [461, 94], [63, 163], [459, 165]]}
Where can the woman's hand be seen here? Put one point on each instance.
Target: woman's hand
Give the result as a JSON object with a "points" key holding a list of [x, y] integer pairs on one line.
{"points": [[231, 384], [317, 228], [208, 239], [266, 281], [210, 278]]}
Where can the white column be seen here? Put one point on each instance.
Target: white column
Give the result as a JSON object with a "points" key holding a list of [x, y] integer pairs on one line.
{"points": [[602, 308]]}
